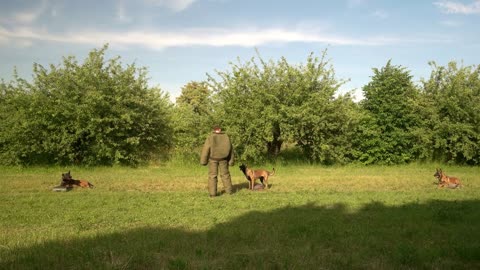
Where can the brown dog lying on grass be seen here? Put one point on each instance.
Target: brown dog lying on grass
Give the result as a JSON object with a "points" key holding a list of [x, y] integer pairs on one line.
{"points": [[253, 175], [68, 181], [444, 180]]}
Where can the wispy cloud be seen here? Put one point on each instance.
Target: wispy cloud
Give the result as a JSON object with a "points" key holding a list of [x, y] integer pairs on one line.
{"points": [[121, 13], [175, 5], [450, 23], [29, 16], [455, 7], [3, 39], [25, 16], [355, 3], [203, 37], [381, 14]]}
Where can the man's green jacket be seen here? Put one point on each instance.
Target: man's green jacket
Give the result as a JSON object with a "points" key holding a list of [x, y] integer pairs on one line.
{"points": [[217, 147]]}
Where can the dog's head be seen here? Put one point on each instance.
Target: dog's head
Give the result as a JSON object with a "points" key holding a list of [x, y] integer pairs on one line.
{"points": [[66, 176], [438, 174], [243, 168]]}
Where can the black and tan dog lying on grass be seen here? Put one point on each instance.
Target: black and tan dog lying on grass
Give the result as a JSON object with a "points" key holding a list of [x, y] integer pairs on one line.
{"points": [[68, 181], [448, 181], [253, 175]]}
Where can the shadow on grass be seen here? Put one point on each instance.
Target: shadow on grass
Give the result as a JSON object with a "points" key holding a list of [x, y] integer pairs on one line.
{"points": [[237, 187], [433, 235]]}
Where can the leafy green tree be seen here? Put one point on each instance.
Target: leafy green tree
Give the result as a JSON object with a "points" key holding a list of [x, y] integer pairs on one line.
{"points": [[265, 104], [454, 94], [15, 112], [198, 96], [192, 117], [98, 112], [387, 135]]}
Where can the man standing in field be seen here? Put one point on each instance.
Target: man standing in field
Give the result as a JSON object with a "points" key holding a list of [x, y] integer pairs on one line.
{"points": [[218, 153]]}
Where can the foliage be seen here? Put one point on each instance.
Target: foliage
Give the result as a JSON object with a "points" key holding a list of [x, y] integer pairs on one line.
{"points": [[197, 95], [267, 103], [94, 113], [454, 94], [14, 114], [325, 129], [386, 135], [103, 112], [192, 118]]}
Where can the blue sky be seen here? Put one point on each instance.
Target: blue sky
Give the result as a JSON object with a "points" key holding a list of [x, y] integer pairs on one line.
{"points": [[182, 40]]}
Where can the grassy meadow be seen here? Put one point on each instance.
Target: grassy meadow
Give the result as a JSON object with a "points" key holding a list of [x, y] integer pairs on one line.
{"points": [[312, 217]]}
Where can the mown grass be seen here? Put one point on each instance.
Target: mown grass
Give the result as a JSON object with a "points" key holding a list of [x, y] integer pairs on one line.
{"points": [[313, 217]]}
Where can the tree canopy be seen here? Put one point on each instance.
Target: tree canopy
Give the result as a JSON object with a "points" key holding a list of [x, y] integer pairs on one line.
{"points": [[387, 129], [265, 104], [98, 112], [103, 112]]}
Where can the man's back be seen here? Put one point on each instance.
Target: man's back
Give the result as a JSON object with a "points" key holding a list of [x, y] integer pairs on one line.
{"points": [[220, 146]]}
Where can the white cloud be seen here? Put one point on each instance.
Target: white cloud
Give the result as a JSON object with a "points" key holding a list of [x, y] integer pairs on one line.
{"points": [[450, 23], [121, 13], [204, 37], [26, 16], [29, 16], [381, 14], [355, 3], [456, 7], [175, 5], [3, 40]]}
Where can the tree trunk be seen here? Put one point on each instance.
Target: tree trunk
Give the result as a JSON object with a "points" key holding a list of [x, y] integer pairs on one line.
{"points": [[274, 146]]}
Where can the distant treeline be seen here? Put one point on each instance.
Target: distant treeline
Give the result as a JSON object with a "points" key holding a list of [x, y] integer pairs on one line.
{"points": [[103, 112]]}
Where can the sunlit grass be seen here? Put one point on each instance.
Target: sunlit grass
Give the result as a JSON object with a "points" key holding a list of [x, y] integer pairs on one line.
{"points": [[161, 217]]}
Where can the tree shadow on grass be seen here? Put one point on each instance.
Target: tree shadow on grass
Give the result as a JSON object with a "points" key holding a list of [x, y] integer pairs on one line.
{"points": [[433, 235]]}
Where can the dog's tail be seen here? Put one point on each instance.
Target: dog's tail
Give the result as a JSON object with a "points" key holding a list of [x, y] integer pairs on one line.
{"points": [[272, 172], [90, 185]]}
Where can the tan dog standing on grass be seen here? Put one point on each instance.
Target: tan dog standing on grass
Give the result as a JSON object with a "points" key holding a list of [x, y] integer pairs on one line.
{"points": [[253, 175]]}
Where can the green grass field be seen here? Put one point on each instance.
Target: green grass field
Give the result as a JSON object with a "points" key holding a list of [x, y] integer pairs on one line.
{"points": [[313, 217]]}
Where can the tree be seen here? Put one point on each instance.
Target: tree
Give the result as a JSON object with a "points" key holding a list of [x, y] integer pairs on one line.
{"points": [[265, 104], [95, 113], [387, 130], [192, 117], [197, 95], [454, 95]]}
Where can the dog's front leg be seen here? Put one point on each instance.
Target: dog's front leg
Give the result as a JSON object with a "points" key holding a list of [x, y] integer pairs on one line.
{"points": [[252, 182]]}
